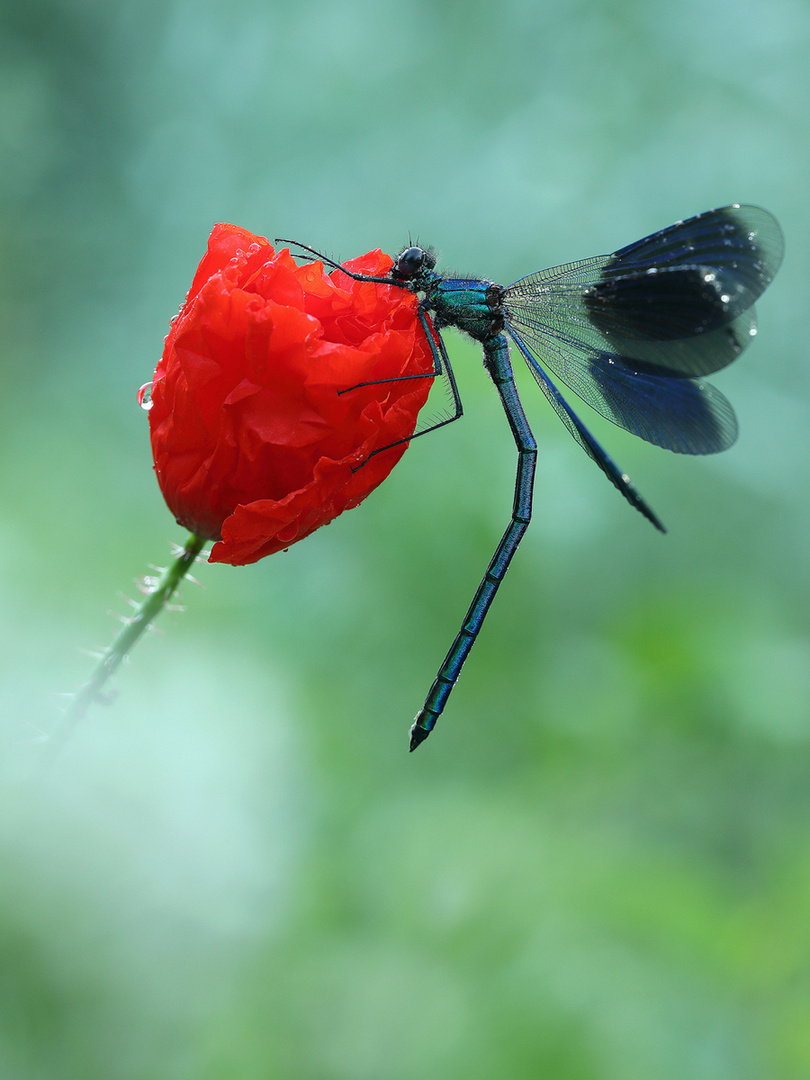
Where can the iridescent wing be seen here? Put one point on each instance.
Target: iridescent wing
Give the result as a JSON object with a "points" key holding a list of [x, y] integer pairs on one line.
{"points": [[633, 333]]}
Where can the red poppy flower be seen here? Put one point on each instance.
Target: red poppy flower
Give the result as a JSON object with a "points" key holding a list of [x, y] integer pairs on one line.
{"points": [[253, 443]]}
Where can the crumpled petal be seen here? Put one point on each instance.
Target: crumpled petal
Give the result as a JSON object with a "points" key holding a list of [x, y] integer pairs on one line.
{"points": [[256, 443]]}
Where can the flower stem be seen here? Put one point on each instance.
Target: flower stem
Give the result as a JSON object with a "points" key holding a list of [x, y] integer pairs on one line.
{"points": [[158, 593]]}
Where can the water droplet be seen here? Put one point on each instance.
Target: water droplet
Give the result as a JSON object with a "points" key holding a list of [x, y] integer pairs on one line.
{"points": [[145, 396]]}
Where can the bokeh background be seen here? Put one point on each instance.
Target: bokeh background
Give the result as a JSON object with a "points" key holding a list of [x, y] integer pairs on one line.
{"points": [[598, 868]]}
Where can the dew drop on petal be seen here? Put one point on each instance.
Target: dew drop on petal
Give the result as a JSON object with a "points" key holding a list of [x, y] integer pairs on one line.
{"points": [[145, 396]]}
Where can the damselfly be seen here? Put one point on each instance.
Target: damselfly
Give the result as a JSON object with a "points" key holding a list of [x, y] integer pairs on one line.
{"points": [[632, 334]]}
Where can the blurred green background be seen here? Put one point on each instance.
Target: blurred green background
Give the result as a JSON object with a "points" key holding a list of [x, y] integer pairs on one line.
{"points": [[598, 868]]}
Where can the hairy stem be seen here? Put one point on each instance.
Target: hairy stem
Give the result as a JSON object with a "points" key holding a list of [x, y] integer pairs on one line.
{"points": [[158, 593]]}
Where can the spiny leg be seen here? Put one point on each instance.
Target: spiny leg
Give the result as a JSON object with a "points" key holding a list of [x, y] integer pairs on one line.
{"points": [[441, 362], [441, 367], [496, 360]]}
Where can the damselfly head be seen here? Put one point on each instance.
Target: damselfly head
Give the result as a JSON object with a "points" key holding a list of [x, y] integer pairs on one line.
{"points": [[412, 262]]}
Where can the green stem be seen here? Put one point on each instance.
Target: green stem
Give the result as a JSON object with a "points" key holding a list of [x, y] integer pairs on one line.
{"points": [[158, 595]]}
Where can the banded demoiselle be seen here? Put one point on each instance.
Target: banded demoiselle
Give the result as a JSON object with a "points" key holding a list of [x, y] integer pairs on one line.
{"points": [[632, 334]]}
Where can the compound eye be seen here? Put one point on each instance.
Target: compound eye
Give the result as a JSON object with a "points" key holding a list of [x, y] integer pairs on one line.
{"points": [[409, 263]]}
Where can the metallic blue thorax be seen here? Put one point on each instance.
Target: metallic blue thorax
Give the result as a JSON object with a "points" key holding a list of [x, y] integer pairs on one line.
{"points": [[470, 304]]}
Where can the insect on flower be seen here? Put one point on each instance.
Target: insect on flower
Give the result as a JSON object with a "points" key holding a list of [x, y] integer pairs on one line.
{"points": [[285, 395]]}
